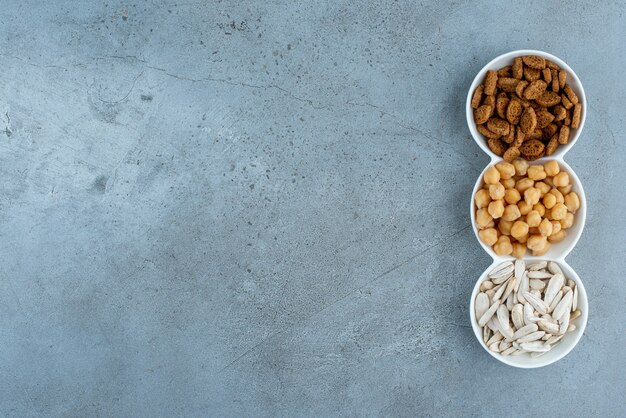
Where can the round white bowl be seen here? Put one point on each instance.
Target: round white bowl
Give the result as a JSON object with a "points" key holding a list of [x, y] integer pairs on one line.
{"points": [[560, 350], [560, 249], [507, 59]]}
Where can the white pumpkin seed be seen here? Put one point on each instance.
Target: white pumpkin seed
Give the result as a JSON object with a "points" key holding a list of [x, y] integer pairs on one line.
{"points": [[495, 347], [520, 267], [488, 314], [533, 336], [575, 299], [486, 285], [509, 301], [564, 305], [554, 339], [525, 330], [539, 275], [554, 285], [497, 337], [517, 315], [555, 301], [537, 266], [499, 292], [509, 289], [548, 326], [481, 304], [536, 302], [486, 334], [564, 322], [535, 346], [575, 315], [504, 344], [554, 268], [490, 293], [537, 284], [508, 351]]}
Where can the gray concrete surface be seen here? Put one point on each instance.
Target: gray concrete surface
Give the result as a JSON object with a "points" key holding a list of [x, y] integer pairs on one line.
{"points": [[259, 208]]}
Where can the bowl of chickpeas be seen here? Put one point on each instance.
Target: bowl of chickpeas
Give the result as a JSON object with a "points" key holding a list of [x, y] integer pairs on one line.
{"points": [[528, 209]]}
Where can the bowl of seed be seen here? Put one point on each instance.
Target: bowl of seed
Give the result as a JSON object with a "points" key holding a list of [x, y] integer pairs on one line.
{"points": [[528, 314]]}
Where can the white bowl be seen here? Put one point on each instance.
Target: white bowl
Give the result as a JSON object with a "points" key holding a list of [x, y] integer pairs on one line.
{"points": [[560, 350], [507, 59], [560, 249]]}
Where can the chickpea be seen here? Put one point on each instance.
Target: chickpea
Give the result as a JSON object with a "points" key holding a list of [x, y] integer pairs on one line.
{"points": [[542, 251], [565, 190], [552, 168], [524, 208], [556, 237], [482, 198], [492, 175], [532, 196], [511, 213], [558, 195], [512, 196], [533, 218], [521, 166], [519, 229], [483, 218], [558, 212], [523, 239], [543, 187], [507, 170], [496, 191], [489, 236], [536, 172], [548, 181], [503, 246], [496, 209], [561, 179], [545, 228], [505, 227], [549, 200], [524, 184], [556, 226], [536, 242], [508, 183], [572, 202], [519, 250], [540, 208], [567, 221]]}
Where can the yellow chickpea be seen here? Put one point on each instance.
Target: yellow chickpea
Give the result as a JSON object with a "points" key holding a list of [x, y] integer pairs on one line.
{"points": [[556, 237], [549, 200], [572, 202], [548, 181], [519, 250], [558, 195], [565, 190], [545, 228], [505, 227], [540, 208], [482, 198], [543, 187], [524, 184], [511, 213], [533, 218], [496, 209], [489, 236], [558, 212], [536, 242], [542, 251], [492, 175], [556, 226], [521, 166], [524, 208], [532, 196], [561, 179], [503, 246], [508, 183], [536, 172], [483, 218], [567, 221], [552, 168], [512, 196], [507, 170], [496, 191], [519, 229]]}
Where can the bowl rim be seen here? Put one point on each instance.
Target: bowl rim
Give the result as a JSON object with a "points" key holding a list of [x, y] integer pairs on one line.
{"points": [[577, 86], [541, 361]]}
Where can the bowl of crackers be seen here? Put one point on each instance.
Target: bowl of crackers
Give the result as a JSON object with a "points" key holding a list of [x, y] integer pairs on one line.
{"points": [[526, 104]]}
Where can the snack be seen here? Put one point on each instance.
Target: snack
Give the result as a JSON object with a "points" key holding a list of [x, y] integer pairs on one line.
{"points": [[526, 309], [524, 207], [532, 94]]}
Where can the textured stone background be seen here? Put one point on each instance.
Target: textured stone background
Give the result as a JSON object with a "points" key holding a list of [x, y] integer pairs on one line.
{"points": [[260, 208]]}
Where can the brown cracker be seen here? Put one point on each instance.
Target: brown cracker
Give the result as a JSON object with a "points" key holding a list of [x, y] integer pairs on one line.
{"points": [[576, 115], [482, 114], [528, 120], [564, 135], [535, 89], [491, 78], [498, 126], [477, 96], [496, 146], [518, 68]]}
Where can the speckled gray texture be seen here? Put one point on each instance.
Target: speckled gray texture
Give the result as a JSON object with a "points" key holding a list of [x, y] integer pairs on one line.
{"points": [[261, 208]]}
